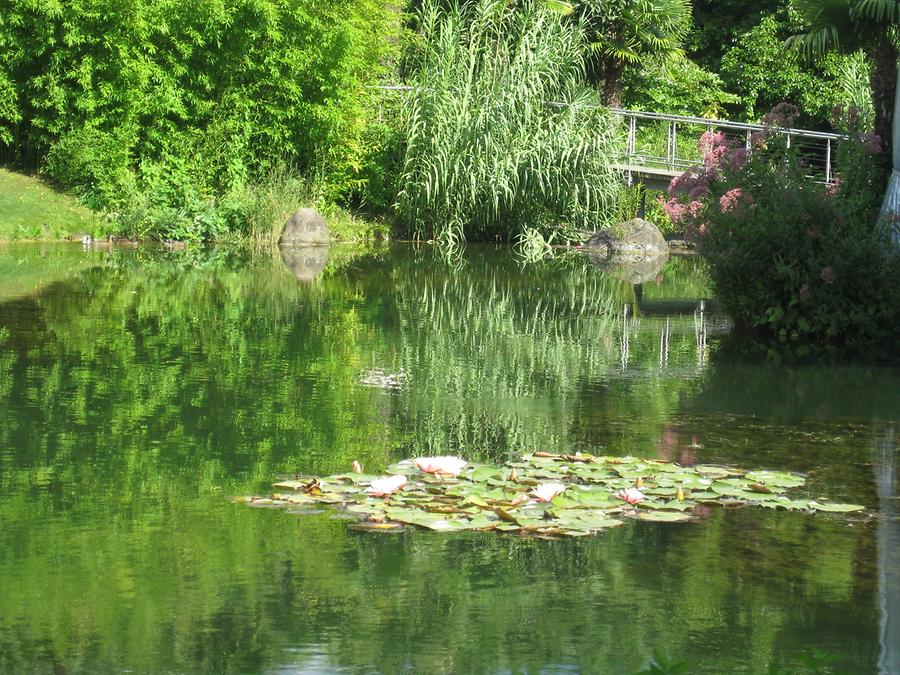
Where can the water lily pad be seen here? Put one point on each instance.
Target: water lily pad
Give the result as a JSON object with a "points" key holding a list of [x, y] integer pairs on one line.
{"points": [[484, 520], [835, 508], [367, 508], [661, 491], [665, 467], [679, 506], [377, 527], [483, 473], [695, 482], [594, 499], [713, 471], [590, 522], [664, 516], [776, 479], [291, 484]]}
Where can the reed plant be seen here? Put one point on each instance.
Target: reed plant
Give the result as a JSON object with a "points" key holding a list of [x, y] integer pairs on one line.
{"points": [[501, 136]]}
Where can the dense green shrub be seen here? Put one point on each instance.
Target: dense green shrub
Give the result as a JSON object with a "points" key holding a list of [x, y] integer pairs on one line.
{"points": [[800, 266], [160, 111], [501, 138], [764, 72]]}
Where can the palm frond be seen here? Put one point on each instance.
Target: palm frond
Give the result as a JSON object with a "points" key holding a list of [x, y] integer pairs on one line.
{"points": [[882, 11], [842, 25]]}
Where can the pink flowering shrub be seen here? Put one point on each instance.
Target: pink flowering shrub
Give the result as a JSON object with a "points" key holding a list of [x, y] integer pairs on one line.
{"points": [[800, 266], [734, 199]]}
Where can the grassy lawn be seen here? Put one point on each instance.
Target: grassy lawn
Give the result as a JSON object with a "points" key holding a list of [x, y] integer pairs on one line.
{"points": [[31, 209]]}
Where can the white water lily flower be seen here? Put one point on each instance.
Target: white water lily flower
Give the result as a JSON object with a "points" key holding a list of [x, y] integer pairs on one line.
{"points": [[547, 491], [450, 466], [385, 486], [631, 495]]}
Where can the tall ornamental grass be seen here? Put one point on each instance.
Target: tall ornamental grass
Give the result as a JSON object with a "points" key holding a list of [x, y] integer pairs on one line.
{"points": [[502, 140]]}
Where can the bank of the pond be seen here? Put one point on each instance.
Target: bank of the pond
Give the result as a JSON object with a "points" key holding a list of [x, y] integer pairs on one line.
{"points": [[32, 209]]}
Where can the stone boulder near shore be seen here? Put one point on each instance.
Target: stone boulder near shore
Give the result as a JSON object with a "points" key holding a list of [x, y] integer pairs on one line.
{"points": [[306, 227], [631, 240]]}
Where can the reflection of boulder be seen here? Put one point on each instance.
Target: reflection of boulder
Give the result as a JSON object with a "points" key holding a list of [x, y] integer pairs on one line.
{"points": [[304, 228], [381, 379], [304, 262], [632, 240], [633, 270]]}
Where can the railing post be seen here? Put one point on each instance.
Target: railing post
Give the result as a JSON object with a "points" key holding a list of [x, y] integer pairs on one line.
{"points": [[669, 151], [749, 139], [828, 161], [632, 136], [674, 143]]}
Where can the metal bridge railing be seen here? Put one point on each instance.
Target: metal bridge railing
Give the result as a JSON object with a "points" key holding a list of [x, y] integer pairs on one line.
{"points": [[669, 142]]}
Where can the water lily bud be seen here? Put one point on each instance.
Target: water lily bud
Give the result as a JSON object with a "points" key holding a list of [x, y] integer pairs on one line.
{"points": [[513, 476], [680, 494], [639, 483], [356, 467]]}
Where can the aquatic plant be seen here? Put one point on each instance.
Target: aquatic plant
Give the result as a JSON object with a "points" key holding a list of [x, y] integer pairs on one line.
{"points": [[544, 494]]}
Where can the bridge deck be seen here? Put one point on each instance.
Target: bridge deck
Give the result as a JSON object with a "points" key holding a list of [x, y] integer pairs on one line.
{"points": [[651, 177]]}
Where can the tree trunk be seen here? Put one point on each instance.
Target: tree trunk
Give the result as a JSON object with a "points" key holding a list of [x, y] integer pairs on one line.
{"points": [[613, 87], [884, 83]]}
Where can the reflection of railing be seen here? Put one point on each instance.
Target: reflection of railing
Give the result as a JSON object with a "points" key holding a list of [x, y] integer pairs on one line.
{"points": [[675, 323]]}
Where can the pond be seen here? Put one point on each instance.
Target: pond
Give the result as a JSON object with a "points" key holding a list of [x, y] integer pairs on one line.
{"points": [[141, 389]]}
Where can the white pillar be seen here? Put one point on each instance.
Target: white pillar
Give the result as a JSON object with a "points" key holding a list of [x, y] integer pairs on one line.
{"points": [[890, 208]]}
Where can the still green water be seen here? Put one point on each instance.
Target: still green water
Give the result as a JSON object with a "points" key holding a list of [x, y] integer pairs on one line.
{"points": [[140, 389]]}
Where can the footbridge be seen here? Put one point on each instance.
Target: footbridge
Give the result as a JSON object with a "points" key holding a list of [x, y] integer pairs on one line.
{"points": [[659, 147]]}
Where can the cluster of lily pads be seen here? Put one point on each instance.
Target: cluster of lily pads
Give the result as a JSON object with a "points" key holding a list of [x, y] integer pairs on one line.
{"points": [[544, 494]]}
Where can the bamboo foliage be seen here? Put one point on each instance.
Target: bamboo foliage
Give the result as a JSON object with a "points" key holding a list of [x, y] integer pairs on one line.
{"points": [[501, 136]]}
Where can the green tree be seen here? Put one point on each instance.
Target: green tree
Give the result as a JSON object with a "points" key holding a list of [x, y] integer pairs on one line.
{"points": [[850, 25], [627, 32], [765, 73], [172, 106]]}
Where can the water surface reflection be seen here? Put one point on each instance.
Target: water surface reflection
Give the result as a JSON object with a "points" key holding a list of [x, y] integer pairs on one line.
{"points": [[139, 389]]}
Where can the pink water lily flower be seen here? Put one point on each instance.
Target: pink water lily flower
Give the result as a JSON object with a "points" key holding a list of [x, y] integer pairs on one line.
{"points": [[631, 495], [449, 466], [385, 486], [547, 491]]}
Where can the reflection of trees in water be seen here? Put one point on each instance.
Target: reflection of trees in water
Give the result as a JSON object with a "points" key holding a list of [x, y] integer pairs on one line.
{"points": [[204, 586], [177, 363], [505, 361]]}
